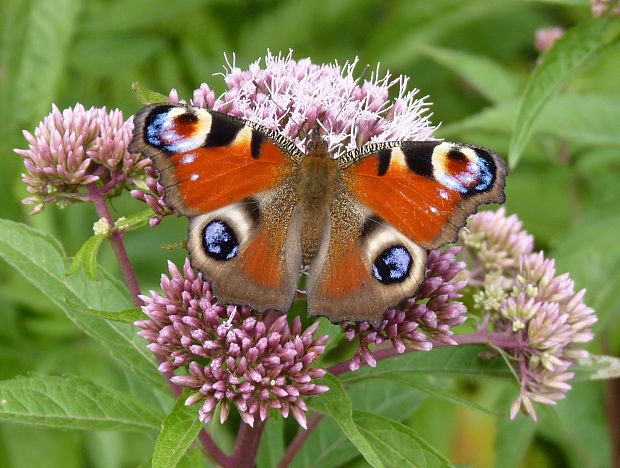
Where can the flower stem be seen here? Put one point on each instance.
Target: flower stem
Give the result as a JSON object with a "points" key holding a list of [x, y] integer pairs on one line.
{"points": [[97, 196], [211, 449], [246, 447], [298, 441]]}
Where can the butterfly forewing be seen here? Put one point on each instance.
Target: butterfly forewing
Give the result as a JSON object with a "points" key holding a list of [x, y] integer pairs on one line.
{"points": [[426, 189]]}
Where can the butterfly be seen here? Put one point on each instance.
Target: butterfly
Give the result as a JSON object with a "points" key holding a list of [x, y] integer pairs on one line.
{"points": [[261, 210]]}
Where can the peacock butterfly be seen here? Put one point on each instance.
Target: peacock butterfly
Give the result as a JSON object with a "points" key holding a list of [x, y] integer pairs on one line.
{"points": [[260, 209]]}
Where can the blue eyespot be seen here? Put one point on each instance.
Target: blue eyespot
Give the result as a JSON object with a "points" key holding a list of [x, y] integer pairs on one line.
{"points": [[219, 240], [392, 265], [485, 175]]}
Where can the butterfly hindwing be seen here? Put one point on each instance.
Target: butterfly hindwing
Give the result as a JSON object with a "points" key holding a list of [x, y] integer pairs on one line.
{"points": [[207, 160], [426, 189], [250, 250], [363, 267]]}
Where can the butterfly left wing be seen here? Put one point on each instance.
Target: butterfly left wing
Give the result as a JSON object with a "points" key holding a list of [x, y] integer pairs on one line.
{"points": [[235, 180], [396, 203]]}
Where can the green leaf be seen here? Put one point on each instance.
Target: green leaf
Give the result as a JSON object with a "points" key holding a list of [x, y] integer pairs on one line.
{"points": [[451, 360], [398, 444], [576, 48], [50, 26], [127, 315], [589, 119], [433, 387], [40, 258], [327, 446], [178, 431], [488, 77], [336, 404], [138, 220], [73, 403], [87, 257], [117, 16], [593, 265], [145, 95]]}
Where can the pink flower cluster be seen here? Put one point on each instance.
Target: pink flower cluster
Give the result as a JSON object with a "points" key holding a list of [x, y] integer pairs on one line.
{"points": [[521, 295], [74, 148], [233, 356]]}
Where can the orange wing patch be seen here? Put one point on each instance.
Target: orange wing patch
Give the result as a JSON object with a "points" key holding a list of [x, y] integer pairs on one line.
{"points": [[417, 206], [210, 178]]}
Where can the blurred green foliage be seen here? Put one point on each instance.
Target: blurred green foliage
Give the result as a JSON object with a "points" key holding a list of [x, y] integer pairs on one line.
{"points": [[473, 58]]}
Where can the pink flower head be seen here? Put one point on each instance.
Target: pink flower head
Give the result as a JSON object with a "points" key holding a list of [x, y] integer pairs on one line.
{"points": [[74, 148], [546, 37], [521, 295], [232, 355], [293, 96]]}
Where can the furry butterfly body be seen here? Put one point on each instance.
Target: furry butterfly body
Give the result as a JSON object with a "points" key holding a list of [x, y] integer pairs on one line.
{"points": [[261, 210]]}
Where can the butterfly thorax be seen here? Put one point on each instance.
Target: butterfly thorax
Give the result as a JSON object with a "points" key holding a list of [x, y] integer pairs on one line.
{"points": [[317, 179]]}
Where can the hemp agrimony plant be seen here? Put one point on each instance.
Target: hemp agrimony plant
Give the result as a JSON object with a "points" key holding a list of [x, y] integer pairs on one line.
{"points": [[493, 305]]}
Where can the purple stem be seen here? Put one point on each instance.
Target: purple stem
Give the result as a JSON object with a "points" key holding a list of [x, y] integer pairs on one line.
{"points": [[246, 447], [501, 340], [298, 441], [97, 197]]}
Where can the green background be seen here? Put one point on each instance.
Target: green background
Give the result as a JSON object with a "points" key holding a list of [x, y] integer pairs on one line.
{"points": [[473, 58]]}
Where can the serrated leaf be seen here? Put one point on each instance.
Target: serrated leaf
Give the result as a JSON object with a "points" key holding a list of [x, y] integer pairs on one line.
{"points": [[488, 77], [452, 360], [73, 403], [576, 48], [147, 96], [40, 258], [178, 430], [398, 444], [336, 404], [126, 315], [50, 26], [87, 257]]}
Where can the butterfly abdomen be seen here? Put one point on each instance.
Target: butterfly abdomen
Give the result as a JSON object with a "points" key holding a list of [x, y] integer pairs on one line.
{"points": [[317, 178]]}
